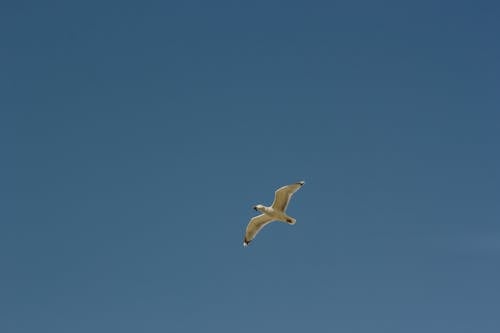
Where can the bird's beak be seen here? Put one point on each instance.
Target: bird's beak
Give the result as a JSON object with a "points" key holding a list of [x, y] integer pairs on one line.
{"points": [[255, 207]]}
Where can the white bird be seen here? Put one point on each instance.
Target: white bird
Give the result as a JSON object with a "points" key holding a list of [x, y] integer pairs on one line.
{"points": [[276, 212]]}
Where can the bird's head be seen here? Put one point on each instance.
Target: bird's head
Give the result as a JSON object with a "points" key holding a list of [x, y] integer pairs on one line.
{"points": [[258, 208]]}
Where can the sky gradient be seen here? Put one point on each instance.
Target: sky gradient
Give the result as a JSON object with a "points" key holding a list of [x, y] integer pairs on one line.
{"points": [[137, 136]]}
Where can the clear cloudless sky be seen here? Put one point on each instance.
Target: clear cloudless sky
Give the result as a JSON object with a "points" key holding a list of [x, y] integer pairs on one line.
{"points": [[136, 136]]}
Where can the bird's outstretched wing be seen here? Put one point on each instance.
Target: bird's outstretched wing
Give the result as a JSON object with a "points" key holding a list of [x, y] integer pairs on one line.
{"points": [[283, 195], [254, 226]]}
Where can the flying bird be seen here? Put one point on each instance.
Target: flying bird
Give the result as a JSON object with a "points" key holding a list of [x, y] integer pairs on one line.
{"points": [[276, 212]]}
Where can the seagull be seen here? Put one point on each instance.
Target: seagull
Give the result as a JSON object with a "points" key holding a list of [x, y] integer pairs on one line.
{"points": [[276, 212]]}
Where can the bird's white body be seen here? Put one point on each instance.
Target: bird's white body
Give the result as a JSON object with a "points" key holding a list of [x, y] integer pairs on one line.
{"points": [[276, 212]]}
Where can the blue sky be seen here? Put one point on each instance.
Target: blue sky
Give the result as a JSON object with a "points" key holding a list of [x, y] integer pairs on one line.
{"points": [[137, 136]]}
